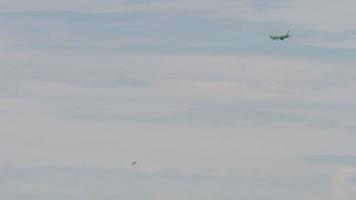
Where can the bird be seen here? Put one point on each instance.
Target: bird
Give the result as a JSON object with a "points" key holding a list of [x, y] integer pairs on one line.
{"points": [[134, 162]]}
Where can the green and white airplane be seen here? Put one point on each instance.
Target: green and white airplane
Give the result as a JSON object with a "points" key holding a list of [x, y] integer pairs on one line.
{"points": [[279, 37]]}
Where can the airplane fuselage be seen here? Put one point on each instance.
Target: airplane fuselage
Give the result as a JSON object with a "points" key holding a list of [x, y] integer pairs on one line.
{"points": [[279, 37]]}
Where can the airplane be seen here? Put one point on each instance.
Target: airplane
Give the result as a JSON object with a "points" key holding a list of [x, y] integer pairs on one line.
{"points": [[134, 162], [279, 37]]}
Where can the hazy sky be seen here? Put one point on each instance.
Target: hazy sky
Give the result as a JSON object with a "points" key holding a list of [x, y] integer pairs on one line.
{"points": [[193, 89]]}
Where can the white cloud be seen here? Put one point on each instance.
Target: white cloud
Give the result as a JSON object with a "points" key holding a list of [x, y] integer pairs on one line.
{"points": [[53, 5], [316, 15], [224, 77], [81, 108], [343, 44], [329, 15], [221, 114], [344, 184], [335, 16], [84, 182]]}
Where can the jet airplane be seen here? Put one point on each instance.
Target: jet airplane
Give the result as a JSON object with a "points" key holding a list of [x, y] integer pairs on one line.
{"points": [[279, 37]]}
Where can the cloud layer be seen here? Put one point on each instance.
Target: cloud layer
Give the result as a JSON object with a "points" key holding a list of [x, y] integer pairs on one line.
{"points": [[194, 90]]}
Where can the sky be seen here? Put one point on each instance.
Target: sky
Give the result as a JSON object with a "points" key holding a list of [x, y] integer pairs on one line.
{"points": [[193, 89]]}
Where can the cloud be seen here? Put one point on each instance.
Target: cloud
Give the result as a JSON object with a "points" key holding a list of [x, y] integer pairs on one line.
{"points": [[52, 5], [332, 159], [86, 182], [172, 88], [93, 85], [344, 184], [313, 15], [340, 43], [305, 14]]}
